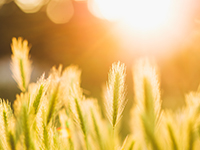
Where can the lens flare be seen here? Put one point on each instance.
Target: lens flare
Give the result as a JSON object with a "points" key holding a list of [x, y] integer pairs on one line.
{"points": [[2, 3], [140, 14], [147, 25], [147, 14], [30, 6], [107, 9], [60, 11]]}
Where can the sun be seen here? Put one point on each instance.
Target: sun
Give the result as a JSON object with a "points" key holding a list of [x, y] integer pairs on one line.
{"points": [[147, 14], [147, 26], [138, 14]]}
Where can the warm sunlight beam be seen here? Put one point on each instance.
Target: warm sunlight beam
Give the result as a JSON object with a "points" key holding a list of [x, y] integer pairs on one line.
{"points": [[30, 6], [146, 14], [60, 11], [140, 14], [147, 25]]}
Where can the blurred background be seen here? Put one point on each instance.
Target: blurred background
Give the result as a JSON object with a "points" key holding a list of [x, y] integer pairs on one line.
{"points": [[95, 33]]}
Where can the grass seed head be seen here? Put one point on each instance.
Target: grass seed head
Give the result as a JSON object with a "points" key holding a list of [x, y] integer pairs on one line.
{"points": [[115, 92], [21, 64]]}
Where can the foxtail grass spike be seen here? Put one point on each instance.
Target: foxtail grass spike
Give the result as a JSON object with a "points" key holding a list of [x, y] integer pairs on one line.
{"points": [[147, 112], [148, 100], [25, 128], [146, 86], [11, 141], [45, 137], [7, 122], [149, 133], [52, 104], [115, 93], [22, 74], [21, 64], [9, 136], [38, 98]]}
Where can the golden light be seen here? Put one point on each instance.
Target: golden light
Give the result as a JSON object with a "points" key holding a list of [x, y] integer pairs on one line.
{"points": [[146, 25], [147, 15], [108, 9], [141, 14], [2, 2], [94, 9], [64, 132], [60, 11], [30, 6]]}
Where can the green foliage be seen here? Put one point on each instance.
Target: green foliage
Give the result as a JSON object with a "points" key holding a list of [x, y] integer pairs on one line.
{"points": [[54, 114]]}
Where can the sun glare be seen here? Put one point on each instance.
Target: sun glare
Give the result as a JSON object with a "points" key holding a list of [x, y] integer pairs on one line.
{"points": [[146, 25], [147, 14], [30, 6], [140, 14]]}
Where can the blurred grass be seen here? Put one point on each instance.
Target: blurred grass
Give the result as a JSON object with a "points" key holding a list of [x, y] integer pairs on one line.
{"points": [[88, 42]]}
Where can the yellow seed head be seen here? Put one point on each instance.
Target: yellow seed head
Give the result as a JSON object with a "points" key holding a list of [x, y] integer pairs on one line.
{"points": [[114, 94], [20, 65]]}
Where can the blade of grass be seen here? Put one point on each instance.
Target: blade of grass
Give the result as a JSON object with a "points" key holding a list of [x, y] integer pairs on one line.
{"points": [[172, 137], [81, 121]]}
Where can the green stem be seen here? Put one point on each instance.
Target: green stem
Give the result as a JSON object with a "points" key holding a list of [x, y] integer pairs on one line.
{"points": [[81, 121], [116, 99], [38, 98], [96, 129], [22, 75], [71, 144], [172, 136], [52, 104], [113, 137]]}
